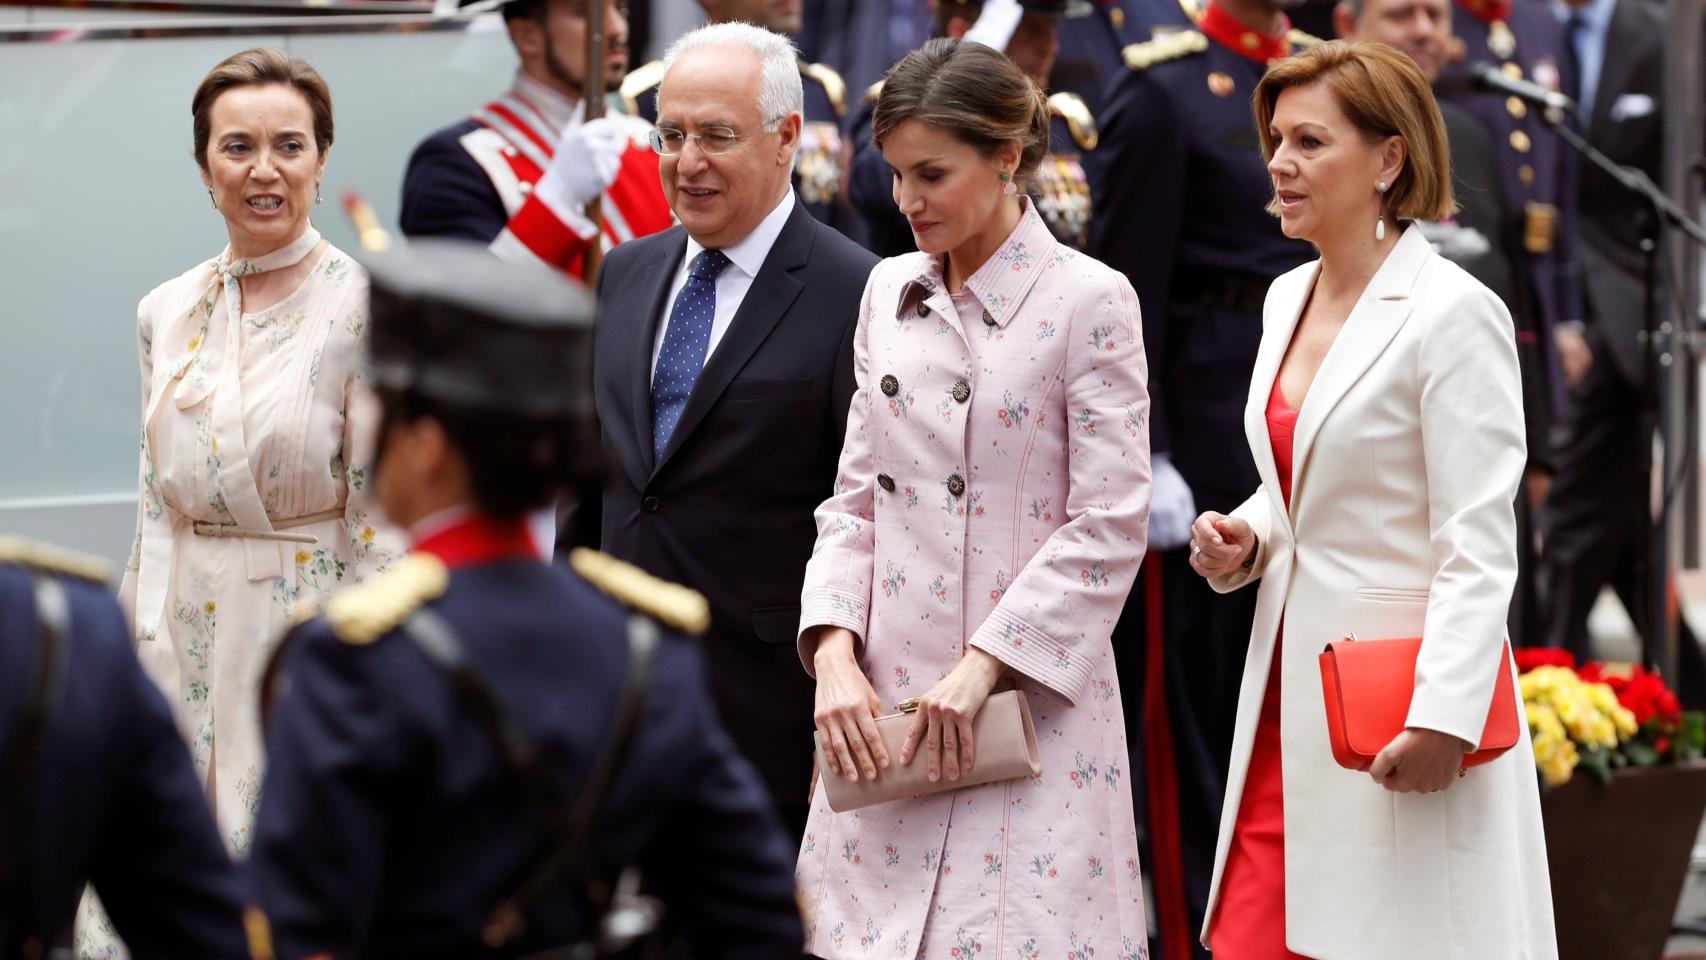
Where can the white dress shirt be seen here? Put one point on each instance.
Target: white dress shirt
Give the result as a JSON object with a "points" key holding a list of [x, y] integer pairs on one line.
{"points": [[745, 260], [1590, 51]]}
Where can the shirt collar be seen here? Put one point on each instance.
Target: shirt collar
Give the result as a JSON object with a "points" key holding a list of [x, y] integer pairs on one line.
{"points": [[1001, 283], [1595, 14], [466, 535], [559, 111], [750, 253]]}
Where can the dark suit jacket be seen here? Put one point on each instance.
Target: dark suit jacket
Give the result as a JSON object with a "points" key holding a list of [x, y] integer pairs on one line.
{"points": [[728, 510], [1612, 221]]}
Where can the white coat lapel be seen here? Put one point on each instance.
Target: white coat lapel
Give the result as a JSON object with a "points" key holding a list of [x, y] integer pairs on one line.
{"points": [[1373, 322], [1280, 313]]}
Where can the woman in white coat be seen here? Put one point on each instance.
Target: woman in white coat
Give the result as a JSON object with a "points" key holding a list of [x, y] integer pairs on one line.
{"points": [[1385, 416]]}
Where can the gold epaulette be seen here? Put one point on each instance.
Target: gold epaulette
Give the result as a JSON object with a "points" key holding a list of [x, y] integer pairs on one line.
{"points": [[640, 79], [368, 611], [1302, 41], [872, 92], [1168, 46], [833, 86], [668, 603], [51, 559], [1072, 108]]}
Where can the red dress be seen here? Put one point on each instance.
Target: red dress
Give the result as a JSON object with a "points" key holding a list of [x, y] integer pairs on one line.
{"points": [[1249, 922]]}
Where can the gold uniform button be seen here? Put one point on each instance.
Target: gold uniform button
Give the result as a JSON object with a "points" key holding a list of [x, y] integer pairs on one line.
{"points": [[890, 385], [1512, 70], [956, 484], [1525, 173], [1249, 40], [1116, 18], [1520, 142], [1517, 108], [962, 391], [886, 482]]}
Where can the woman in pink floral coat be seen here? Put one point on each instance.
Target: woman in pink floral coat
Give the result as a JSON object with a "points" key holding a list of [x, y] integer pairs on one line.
{"points": [[989, 519]]}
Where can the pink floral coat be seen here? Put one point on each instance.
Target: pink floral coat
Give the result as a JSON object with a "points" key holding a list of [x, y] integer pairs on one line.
{"points": [[1028, 555]]}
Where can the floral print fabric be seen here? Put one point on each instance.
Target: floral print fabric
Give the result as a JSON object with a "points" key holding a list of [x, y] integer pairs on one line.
{"points": [[993, 492]]}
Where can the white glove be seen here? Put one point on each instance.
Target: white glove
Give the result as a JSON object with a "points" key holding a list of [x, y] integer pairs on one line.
{"points": [[1172, 509], [588, 157]]}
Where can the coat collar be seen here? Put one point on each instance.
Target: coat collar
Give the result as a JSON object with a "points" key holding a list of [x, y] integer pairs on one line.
{"points": [[1379, 313], [1000, 285]]}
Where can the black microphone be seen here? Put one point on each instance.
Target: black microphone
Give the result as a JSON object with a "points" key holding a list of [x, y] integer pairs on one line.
{"points": [[1488, 77]]}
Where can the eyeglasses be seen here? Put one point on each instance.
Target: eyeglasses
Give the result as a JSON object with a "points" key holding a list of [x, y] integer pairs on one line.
{"points": [[715, 141]]}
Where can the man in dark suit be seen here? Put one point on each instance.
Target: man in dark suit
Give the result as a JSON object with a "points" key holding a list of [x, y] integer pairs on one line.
{"points": [[1598, 501], [96, 786], [724, 369], [467, 753], [1180, 188]]}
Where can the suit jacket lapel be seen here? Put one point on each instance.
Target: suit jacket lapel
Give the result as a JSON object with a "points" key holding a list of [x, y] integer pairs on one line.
{"points": [[1373, 322], [1279, 322], [651, 291], [773, 291]]}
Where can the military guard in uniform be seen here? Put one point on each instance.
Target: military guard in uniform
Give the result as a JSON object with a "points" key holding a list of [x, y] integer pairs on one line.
{"points": [[821, 158], [1060, 186], [519, 174], [468, 756], [1180, 189], [1523, 39], [96, 786], [1091, 46]]}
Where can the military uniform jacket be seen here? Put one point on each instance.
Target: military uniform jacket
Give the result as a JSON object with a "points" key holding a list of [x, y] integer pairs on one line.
{"points": [[111, 797], [390, 826], [477, 179], [1523, 39], [820, 159], [1179, 187], [1060, 187]]}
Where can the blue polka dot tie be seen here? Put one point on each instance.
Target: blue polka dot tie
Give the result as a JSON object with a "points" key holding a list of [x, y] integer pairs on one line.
{"points": [[685, 342]]}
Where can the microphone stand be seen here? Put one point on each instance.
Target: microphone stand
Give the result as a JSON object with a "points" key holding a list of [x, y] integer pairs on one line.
{"points": [[1666, 347]]}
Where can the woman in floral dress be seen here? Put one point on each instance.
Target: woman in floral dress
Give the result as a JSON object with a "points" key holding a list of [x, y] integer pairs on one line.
{"points": [[256, 431], [989, 520]]}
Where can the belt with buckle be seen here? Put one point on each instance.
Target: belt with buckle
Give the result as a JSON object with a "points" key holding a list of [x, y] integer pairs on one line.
{"points": [[204, 529]]}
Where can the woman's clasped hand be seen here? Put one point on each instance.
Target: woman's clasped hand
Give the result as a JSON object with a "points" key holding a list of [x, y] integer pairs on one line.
{"points": [[941, 724], [1220, 544]]}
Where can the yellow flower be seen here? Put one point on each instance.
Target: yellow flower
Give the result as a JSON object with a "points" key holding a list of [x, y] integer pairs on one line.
{"points": [[209, 606], [302, 557], [367, 535], [194, 342]]}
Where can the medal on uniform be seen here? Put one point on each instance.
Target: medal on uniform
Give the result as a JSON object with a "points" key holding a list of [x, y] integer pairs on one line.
{"points": [[1500, 40], [1222, 84]]}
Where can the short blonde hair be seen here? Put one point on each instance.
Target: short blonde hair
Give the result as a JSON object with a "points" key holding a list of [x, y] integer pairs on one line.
{"points": [[1385, 95]]}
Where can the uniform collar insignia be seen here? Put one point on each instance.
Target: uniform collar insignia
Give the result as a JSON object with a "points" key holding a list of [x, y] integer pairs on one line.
{"points": [[1487, 11], [1224, 29]]}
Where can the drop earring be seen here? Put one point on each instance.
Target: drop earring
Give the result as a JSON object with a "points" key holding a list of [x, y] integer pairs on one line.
{"points": [[1008, 187], [317, 197], [1380, 223], [210, 198]]}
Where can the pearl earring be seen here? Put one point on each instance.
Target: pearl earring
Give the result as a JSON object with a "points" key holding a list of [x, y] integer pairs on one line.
{"points": [[1380, 224], [1008, 187], [317, 197]]}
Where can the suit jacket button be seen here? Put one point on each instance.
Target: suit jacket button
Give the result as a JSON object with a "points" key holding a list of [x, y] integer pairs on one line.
{"points": [[988, 320], [886, 482], [890, 385], [956, 484], [650, 504], [962, 391], [923, 309]]}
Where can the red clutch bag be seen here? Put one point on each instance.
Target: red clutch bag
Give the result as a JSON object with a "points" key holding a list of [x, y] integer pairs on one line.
{"points": [[1367, 686]]}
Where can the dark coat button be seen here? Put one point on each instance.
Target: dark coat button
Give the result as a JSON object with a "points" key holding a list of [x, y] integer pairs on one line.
{"points": [[988, 320], [962, 391], [890, 385], [650, 504], [886, 482], [956, 484], [923, 309]]}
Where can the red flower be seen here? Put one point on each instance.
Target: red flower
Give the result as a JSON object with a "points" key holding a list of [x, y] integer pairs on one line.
{"points": [[1528, 658]]}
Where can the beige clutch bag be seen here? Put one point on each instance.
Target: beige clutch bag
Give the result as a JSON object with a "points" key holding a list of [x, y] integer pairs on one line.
{"points": [[1006, 748]]}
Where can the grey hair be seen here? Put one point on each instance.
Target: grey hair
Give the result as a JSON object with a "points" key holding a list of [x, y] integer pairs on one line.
{"points": [[779, 89]]}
